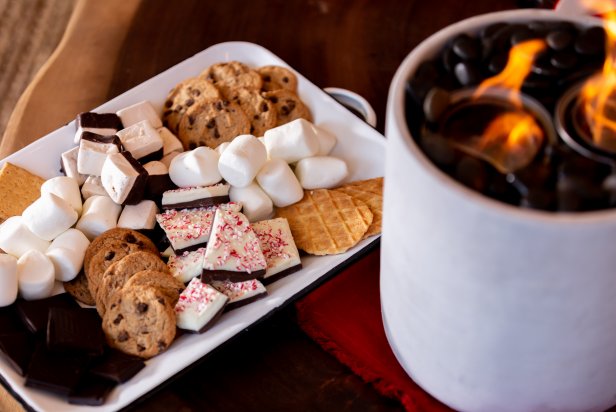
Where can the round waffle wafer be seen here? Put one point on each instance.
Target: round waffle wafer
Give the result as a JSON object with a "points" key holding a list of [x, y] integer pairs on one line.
{"points": [[371, 193]]}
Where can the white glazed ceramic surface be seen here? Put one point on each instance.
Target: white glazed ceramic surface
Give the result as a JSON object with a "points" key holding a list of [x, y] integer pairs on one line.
{"points": [[359, 144], [489, 307]]}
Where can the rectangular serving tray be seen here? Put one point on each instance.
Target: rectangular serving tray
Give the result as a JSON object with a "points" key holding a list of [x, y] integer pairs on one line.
{"points": [[361, 146]]}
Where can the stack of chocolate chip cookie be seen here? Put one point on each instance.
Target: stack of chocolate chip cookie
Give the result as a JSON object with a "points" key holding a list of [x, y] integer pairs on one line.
{"points": [[230, 99], [133, 292]]}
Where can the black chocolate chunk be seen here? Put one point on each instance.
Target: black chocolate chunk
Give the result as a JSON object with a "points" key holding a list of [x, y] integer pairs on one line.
{"points": [[117, 366], [564, 60], [10, 321], [18, 348], [75, 330], [99, 120], [591, 41], [54, 372], [467, 74], [97, 138], [466, 47], [91, 391], [560, 39], [34, 313], [138, 190]]}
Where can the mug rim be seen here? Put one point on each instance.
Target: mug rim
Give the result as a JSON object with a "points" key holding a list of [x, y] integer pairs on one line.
{"points": [[396, 116]]}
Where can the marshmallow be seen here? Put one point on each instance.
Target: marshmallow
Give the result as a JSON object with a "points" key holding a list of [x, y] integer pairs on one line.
{"points": [[170, 142], [278, 181], [241, 160], [100, 214], [139, 216], [36, 275], [142, 141], [66, 253], [66, 188], [292, 141], [124, 178], [168, 158], [321, 172], [68, 162], [222, 147], [327, 140], [93, 187], [138, 112], [49, 216], [104, 124], [16, 239], [198, 167], [8, 279], [256, 204], [93, 150]]}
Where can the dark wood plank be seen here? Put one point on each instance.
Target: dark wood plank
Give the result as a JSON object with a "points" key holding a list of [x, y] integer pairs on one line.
{"points": [[355, 44]]}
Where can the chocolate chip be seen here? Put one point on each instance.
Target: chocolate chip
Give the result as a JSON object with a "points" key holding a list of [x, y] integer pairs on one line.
{"points": [[109, 255], [218, 105], [273, 99], [161, 345], [256, 117], [113, 305], [191, 119], [168, 103], [130, 238], [123, 336], [285, 79], [252, 129], [284, 110], [118, 319], [210, 77], [161, 301], [192, 145], [291, 104], [267, 79], [140, 348], [142, 307], [225, 103], [190, 102], [195, 92], [211, 124], [216, 133], [264, 107], [167, 112]]}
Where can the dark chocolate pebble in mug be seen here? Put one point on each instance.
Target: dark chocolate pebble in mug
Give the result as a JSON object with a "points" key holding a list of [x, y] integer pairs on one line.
{"points": [[521, 34], [564, 60], [466, 47], [543, 66], [497, 63], [467, 73], [591, 41], [559, 39]]}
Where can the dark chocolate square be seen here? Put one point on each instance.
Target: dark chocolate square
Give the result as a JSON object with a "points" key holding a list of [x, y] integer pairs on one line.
{"points": [[91, 390], [99, 120], [55, 372], [75, 330], [10, 320], [18, 348], [117, 366], [34, 313]]}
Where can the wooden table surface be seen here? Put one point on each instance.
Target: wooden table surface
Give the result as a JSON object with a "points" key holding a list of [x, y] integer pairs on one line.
{"points": [[354, 44]]}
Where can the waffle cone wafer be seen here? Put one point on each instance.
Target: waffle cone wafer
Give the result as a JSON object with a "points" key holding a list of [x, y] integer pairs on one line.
{"points": [[371, 193], [327, 222]]}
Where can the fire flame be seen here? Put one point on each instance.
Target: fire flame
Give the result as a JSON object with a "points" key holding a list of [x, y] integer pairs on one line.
{"points": [[511, 140], [596, 95]]}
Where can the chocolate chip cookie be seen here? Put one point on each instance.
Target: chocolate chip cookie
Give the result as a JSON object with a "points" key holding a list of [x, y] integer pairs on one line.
{"points": [[140, 322], [183, 96], [277, 77], [288, 106], [126, 235], [163, 280], [232, 75], [210, 123], [260, 112], [79, 289], [119, 272]]}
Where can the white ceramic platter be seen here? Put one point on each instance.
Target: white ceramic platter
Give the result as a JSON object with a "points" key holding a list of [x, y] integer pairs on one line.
{"points": [[360, 145]]}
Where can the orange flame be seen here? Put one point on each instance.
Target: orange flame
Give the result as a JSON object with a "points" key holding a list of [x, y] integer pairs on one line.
{"points": [[512, 139], [596, 94]]}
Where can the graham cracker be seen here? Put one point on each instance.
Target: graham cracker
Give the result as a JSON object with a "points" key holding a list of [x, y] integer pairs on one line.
{"points": [[18, 190]]}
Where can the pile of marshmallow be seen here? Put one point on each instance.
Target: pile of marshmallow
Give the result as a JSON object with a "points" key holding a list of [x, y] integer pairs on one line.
{"points": [[265, 172]]}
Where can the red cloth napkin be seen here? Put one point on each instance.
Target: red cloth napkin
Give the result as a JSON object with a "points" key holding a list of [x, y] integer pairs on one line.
{"points": [[344, 317]]}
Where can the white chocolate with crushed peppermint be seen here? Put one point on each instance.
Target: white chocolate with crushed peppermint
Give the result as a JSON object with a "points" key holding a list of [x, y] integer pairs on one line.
{"points": [[198, 305], [240, 293], [188, 228], [195, 194], [277, 245], [187, 265], [233, 246]]}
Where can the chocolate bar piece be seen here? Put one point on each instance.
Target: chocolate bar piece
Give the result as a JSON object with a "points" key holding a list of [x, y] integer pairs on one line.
{"points": [[10, 321], [191, 197], [100, 123], [34, 313], [124, 178], [117, 366], [76, 330], [55, 372], [91, 390], [93, 150], [18, 348]]}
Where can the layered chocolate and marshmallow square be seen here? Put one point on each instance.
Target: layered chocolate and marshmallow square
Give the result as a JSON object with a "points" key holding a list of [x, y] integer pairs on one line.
{"points": [[124, 178], [189, 229], [233, 252], [93, 151], [278, 247], [142, 141], [187, 197], [105, 124], [199, 305], [139, 112]]}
